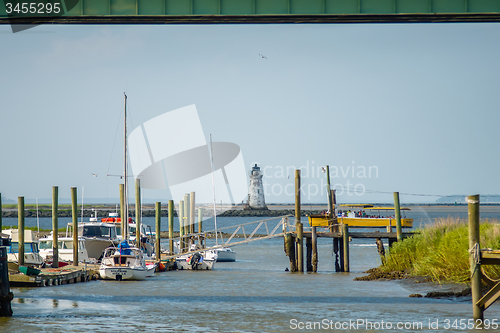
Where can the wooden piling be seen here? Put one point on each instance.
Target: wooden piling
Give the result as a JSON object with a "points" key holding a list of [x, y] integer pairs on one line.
{"points": [[138, 213], [398, 217], [329, 192], [380, 249], [74, 215], [314, 244], [336, 250], [192, 213], [345, 236], [123, 224], [181, 225], [298, 224], [200, 224], [157, 230], [55, 227], [1, 212], [309, 267], [474, 257], [5, 295], [297, 196], [20, 230], [171, 224], [187, 211], [290, 251]]}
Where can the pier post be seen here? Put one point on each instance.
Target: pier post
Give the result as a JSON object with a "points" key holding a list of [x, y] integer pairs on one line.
{"points": [[187, 210], [345, 235], [171, 225], [157, 230], [74, 215], [298, 224], [192, 213], [55, 227], [181, 226], [314, 243], [329, 193], [474, 257], [20, 231], [200, 224], [398, 217], [290, 251], [1, 212], [5, 295], [123, 224], [380, 249], [309, 267], [336, 249], [138, 213]]}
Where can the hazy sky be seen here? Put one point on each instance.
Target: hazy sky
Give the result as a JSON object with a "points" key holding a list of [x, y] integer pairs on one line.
{"points": [[417, 105]]}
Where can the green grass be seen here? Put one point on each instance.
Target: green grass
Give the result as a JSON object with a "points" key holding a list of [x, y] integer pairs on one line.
{"points": [[441, 251]]}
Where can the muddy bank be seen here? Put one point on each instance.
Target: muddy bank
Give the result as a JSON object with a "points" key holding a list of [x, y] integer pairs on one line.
{"points": [[421, 286]]}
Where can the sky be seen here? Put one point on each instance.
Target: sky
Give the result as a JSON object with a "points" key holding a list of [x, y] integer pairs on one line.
{"points": [[411, 108]]}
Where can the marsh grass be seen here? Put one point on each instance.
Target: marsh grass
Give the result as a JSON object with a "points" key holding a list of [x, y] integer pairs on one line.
{"points": [[441, 251]]}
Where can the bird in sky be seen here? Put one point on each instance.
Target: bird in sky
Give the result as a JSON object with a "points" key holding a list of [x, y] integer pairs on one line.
{"points": [[94, 174], [262, 56]]}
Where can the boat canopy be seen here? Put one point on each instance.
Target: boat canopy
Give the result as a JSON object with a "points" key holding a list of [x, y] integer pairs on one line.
{"points": [[356, 205], [388, 208]]}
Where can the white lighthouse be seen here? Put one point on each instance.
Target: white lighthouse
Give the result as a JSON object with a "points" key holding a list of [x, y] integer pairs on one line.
{"points": [[256, 191]]}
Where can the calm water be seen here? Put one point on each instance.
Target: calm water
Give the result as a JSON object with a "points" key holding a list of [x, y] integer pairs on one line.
{"points": [[254, 294]]}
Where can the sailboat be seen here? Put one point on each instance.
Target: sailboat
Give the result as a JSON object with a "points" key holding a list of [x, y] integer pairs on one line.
{"points": [[125, 262], [224, 254]]}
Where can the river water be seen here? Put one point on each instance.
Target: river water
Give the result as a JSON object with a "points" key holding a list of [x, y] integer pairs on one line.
{"points": [[253, 294]]}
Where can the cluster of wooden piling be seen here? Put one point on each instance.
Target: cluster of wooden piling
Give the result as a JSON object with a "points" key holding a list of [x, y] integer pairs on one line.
{"points": [[338, 232]]}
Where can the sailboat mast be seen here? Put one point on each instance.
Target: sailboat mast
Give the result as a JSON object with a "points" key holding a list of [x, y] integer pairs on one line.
{"points": [[125, 176], [213, 190]]}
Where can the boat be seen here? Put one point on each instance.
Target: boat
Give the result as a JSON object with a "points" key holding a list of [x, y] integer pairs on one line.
{"points": [[370, 216], [147, 236], [200, 260], [361, 216], [225, 254], [65, 250], [124, 263], [96, 235], [31, 251]]}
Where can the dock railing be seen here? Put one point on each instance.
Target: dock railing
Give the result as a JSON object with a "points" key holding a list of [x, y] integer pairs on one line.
{"points": [[235, 235]]}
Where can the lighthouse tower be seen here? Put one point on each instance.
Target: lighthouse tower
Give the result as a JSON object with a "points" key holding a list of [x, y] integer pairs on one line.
{"points": [[256, 191]]}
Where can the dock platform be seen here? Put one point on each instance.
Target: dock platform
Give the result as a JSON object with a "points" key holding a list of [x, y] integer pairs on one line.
{"points": [[55, 276]]}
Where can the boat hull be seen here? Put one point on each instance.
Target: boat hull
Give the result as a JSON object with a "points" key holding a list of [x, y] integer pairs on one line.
{"points": [[95, 247], [123, 273], [226, 255], [197, 261], [182, 263]]}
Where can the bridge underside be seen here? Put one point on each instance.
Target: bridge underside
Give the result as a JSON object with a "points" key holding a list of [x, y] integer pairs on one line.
{"points": [[258, 11], [258, 19]]}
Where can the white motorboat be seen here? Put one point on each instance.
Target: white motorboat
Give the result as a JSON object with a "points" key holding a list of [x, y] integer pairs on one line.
{"points": [[202, 260], [31, 252], [225, 254], [97, 236], [124, 263], [65, 249]]}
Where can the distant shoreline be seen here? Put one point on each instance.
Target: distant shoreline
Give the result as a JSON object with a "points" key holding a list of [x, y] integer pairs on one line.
{"points": [[273, 211]]}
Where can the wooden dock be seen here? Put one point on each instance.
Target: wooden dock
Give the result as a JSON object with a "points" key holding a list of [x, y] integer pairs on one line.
{"points": [[55, 276]]}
